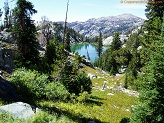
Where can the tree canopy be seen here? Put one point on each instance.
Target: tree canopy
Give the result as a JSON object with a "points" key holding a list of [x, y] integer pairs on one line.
{"points": [[25, 32]]}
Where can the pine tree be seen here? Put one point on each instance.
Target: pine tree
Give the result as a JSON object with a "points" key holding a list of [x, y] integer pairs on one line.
{"points": [[154, 13], [115, 46], [116, 43], [151, 107], [25, 32], [154, 8], [152, 27], [100, 45]]}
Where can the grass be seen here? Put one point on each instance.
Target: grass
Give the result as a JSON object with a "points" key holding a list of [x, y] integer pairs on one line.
{"points": [[105, 106], [102, 106]]}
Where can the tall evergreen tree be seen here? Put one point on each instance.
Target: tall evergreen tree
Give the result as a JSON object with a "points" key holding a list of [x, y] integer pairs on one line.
{"points": [[152, 27], [154, 8], [151, 107], [100, 45], [116, 43], [25, 32], [154, 13]]}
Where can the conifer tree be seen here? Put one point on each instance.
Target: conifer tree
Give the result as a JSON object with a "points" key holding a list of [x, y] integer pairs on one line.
{"points": [[25, 32], [151, 106], [154, 13], [115, 46], [116, 43], [152, 27], [100, 45]]}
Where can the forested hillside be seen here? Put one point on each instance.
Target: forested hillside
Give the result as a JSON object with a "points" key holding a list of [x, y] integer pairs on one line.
{"points": [[141, 59]]}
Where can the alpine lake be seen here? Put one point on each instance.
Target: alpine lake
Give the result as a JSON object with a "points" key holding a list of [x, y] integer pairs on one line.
{"points": [[86, 50]]}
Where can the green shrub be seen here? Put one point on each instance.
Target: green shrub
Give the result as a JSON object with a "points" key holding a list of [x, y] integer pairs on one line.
{"points": [[29, 83], [56, 90], [80, 84], [43, 117], [83, 97], [73, 81], [46, 117], [84, 82], [8, 118]]}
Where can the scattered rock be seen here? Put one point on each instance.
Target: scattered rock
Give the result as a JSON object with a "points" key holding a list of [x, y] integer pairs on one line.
{"points": [[129, 92], [92, 76], [116, 106], [119, 75], [103, 72], [127, 110], [111, 88], [18, 110], [110, 94], [6, 36]]}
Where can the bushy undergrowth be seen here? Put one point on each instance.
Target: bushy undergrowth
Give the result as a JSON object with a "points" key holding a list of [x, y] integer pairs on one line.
{"points": [[75, 82], [7, 118], [41, 117], [81, 84], [33, 84], [56, 90], [29, 83]]}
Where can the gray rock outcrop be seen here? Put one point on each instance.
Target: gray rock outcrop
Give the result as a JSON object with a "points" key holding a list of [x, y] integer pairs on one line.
{"points": [[18, 110], [6, 36]]}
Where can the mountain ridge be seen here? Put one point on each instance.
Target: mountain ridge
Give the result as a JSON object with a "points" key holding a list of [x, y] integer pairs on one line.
{"points": [[106, 25]]}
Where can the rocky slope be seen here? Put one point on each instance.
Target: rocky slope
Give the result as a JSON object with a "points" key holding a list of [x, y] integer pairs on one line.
{"points": [[107, 25], [108, 40]]}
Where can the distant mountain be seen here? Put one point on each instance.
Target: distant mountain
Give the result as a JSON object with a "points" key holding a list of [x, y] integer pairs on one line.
{"points": [[106, 25]]}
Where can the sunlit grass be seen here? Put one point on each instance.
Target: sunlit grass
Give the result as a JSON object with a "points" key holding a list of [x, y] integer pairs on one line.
{"points": [[105, 106], [100, 107]]}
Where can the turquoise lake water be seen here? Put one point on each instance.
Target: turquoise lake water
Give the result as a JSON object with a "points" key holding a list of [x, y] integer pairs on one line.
{"points": [[83, 48]]}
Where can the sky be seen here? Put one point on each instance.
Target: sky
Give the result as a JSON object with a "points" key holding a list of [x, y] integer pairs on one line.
{"points": [[82, 10]]}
